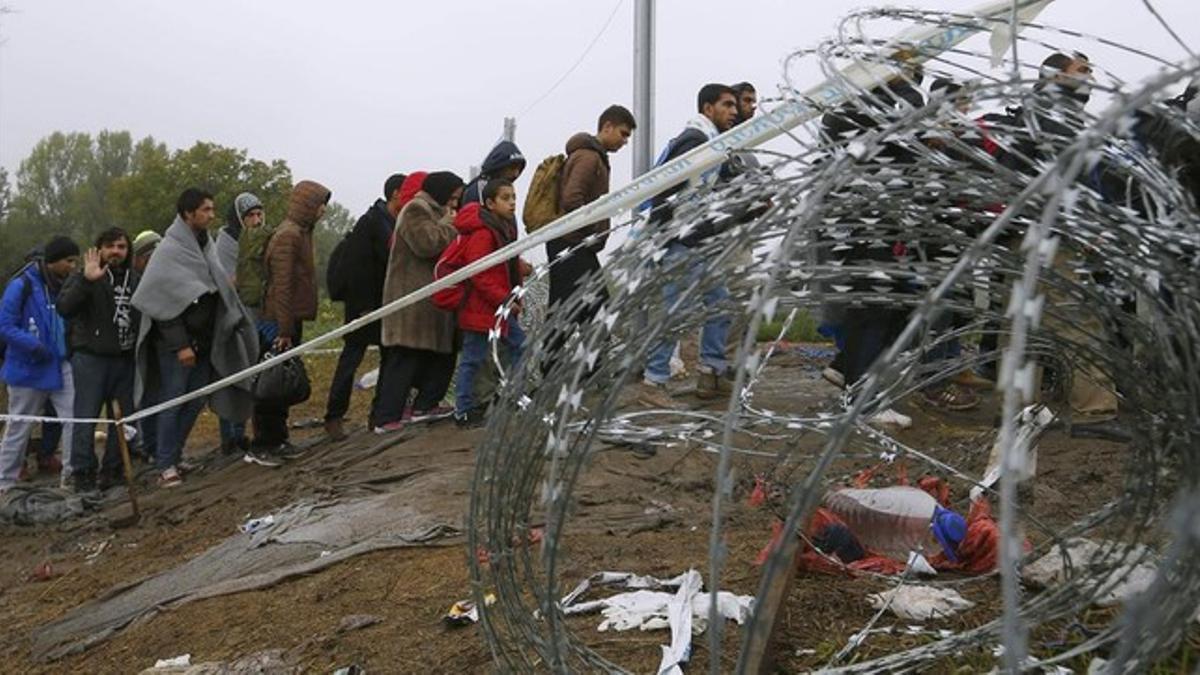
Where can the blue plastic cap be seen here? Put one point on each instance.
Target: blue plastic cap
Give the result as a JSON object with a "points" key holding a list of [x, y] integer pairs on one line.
{"points": [[950, 529]]}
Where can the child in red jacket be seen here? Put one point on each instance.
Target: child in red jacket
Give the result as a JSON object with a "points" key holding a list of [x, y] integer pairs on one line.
{"points": [[486, 229]]}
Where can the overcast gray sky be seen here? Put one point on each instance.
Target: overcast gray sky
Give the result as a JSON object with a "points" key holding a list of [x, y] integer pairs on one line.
{"points": [[351, 91]]}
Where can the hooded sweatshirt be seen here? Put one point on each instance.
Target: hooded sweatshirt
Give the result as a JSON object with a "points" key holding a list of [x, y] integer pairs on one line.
{"points": [[290, 260], [229, 237], [585, 178], [506, 153]]}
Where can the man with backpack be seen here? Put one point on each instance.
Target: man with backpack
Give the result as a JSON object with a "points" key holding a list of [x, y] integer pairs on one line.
{"points": [[103, 334], [357, 269], [584, 179], [717, 108], [36, 368]]}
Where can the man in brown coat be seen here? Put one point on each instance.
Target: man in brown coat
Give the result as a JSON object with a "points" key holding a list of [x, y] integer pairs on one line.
{"points": [[291, 297], [585, 178], [418, 340]]}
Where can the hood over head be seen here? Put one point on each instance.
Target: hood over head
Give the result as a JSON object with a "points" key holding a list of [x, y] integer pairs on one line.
{"points": [[411, 186], [306, 198], [506, 153]]}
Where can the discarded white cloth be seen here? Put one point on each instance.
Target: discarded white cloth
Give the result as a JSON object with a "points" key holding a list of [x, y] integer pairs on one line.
{"points": [[920, 603], [1130, 572], [650, 607]]}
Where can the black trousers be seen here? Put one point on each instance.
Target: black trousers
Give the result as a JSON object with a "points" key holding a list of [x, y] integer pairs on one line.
{"points": [[404, 369], [567, 276], [342, 385], [271, 420], [868, 332]]}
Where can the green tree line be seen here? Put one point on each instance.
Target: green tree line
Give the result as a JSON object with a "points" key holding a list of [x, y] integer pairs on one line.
{"points": [[77, 185]]}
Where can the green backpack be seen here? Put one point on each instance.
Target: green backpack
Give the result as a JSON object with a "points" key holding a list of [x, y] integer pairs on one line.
{"points": [[541, 204]]}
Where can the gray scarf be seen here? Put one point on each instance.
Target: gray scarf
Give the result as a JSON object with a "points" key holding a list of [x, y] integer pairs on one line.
{"points": [[180, 271]]}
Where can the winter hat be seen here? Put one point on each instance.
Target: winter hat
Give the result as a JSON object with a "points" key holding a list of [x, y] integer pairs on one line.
{"points": [[245, 203], [145, 241], [950, 529], [59, 248], [440, 185]]}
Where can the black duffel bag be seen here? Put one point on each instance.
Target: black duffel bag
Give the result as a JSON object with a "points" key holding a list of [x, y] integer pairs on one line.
{"points": [[284, 385]]}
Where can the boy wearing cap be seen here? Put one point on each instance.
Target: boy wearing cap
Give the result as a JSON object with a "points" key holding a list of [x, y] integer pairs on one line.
{"points": [[35, 368]]}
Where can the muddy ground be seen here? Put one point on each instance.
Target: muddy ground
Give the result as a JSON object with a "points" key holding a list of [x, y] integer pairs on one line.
{"points": [[619, 525]]}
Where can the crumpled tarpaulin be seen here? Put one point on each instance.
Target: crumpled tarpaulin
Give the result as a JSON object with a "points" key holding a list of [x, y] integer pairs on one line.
{"points": [[29, 505], [305, 537]]}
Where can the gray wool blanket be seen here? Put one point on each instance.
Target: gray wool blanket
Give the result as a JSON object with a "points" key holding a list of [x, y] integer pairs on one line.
{"points": [[180, 272]]}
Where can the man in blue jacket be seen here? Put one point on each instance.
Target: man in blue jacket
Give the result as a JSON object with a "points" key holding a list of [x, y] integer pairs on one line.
{"points": [[35, 368]]}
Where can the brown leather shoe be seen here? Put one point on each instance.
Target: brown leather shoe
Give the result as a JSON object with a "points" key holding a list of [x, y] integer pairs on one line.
{"points": [[333, 429]]}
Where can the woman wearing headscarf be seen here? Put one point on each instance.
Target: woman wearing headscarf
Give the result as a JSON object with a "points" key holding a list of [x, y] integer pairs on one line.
{"points": [[418, 340]]}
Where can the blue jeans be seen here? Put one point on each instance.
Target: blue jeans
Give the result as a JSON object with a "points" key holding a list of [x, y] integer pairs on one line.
{"points": [[175, 424], [474, 356], [98, 381], [715, 334]]}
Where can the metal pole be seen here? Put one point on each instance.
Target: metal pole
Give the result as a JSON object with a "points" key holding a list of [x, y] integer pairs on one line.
{"points": [[643, 85], [510, 129]]}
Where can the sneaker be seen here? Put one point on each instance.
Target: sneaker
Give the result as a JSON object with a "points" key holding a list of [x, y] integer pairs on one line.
{"points": [[471, 419], [834, 376], [50, 465], [891, 418], [170, 478], [286, 450], [255, 457], [656, 396], [438, 412], [185, 466], [390, 427], [334, 430], [972, 379], [710, 385]]}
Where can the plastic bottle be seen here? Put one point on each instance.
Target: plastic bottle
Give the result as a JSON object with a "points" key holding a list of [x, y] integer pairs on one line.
{"points": [[890, 521], [33, 329]]}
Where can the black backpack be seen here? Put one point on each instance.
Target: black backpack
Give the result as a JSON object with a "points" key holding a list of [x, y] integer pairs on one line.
{"points": [[337, 272]]}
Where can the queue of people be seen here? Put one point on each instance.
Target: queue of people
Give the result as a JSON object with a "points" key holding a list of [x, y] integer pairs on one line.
{"points": [[148, 319]]}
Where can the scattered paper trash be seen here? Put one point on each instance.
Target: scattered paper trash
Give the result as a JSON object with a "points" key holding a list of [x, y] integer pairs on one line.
{"points": [[466, 612], [255, 524], [181, 661], [368, 381], [353, 669], [647, 604], [1129, 571], [920, 603], [917, 564]]}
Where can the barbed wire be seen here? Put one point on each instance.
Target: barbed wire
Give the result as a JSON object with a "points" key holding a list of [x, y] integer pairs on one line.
{"points": [[1060, 233]]}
